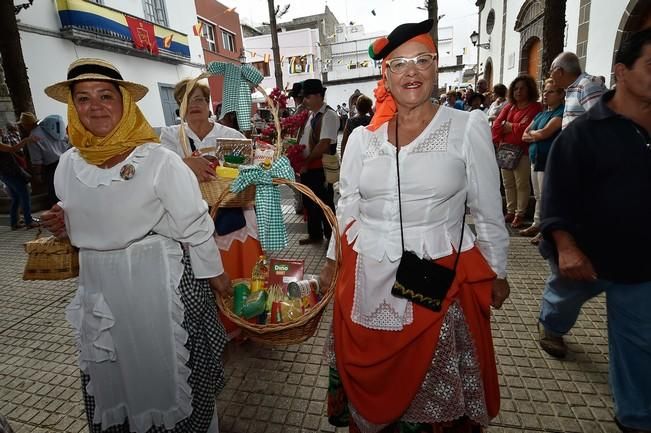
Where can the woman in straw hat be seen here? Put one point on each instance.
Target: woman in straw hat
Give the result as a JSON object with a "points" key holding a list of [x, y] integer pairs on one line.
{"points": [[409, 353], [236, 228], [144, 314]]}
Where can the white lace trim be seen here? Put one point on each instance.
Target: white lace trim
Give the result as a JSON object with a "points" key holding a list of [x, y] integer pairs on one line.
{"points": [[250, 230], [93, 176], [374, 306], [435, 141]]}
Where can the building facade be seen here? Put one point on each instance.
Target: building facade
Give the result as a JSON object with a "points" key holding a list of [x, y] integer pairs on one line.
{"points": [[299, 51], [55, 33], [513, 29], [221, 40]]}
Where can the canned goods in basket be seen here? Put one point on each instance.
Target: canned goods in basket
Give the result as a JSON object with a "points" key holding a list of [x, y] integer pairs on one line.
{"points": [[307, 290]]}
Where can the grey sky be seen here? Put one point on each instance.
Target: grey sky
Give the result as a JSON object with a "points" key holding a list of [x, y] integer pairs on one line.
{"points": [[462, 14]]}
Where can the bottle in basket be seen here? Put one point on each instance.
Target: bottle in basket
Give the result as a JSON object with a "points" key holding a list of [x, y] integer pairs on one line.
{"points": [[260, 274]]}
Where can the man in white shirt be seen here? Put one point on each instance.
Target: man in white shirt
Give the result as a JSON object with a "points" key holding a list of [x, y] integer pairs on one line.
{"points": [[319, 137]]}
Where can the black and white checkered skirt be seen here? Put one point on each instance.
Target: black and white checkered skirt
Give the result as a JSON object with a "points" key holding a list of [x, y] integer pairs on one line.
{"points": [[206, 342]]}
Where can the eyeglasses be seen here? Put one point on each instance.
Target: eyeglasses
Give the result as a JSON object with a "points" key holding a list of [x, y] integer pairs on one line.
{"points": [[398, 65], [197, 100]]}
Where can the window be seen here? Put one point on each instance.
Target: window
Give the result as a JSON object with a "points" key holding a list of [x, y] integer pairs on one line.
{"points": [[298, 65], [490, 22], [155, 11], [228, 40], [263, 67], [208, 33]]}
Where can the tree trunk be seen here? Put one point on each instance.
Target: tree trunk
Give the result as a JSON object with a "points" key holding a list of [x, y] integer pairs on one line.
{"points": [[278, 72], [553, 33], [12, 60], [433, 13]]}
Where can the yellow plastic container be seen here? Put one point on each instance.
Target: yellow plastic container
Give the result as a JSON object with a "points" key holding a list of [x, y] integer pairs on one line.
{"points": [[227, 172]]}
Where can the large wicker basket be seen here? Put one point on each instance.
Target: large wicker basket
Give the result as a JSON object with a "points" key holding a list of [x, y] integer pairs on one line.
{"points": [[297, 331], [49, 258]]}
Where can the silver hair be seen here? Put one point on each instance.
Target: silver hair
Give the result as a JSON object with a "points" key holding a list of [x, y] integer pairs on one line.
{"points": [[568, 62]]}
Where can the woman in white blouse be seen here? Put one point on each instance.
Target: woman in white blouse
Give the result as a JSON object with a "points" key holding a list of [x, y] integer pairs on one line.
{"points": [[144, 315], [393, 362], [237, 236]]}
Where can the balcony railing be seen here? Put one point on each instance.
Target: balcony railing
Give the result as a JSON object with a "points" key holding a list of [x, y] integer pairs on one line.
{"points": [[90, 24]]}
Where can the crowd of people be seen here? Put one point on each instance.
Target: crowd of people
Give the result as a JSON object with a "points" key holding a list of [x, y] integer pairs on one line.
{"points": [[415, 287]]}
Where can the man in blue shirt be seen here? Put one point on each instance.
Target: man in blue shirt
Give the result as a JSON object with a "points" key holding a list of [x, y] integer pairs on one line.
{"points": [[597, 180]]}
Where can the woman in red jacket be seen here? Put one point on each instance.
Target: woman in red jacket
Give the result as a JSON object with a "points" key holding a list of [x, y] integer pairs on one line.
{"points": [[508, 128]]}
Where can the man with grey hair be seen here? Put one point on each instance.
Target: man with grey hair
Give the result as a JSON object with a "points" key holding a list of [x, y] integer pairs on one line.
{"points": [[582, 90], [558, 312]]}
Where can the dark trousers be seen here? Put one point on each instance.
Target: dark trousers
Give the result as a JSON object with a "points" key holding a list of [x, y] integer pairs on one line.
{"points": [[48, 179], [19, 194], [317, 225]]}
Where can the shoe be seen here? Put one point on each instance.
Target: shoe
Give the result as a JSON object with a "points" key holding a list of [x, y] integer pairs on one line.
{"points": [[530, 231], [517, 222], [509, 217], [536, 239], [17, 226], [308, 241], [552, 344], [33, 225]]}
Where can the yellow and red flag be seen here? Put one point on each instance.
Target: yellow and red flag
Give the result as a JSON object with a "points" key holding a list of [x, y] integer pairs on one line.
{"points": [[197, 28], [167, 40], [142, 33]]}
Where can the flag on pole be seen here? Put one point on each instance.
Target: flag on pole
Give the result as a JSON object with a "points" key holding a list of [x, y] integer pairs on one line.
{"points": [[198, 27], [142, 34], [267, 57]]}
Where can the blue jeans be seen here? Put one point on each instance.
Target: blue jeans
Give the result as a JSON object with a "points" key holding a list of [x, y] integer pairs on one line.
{"points": [[629, 337], [19, 194]]}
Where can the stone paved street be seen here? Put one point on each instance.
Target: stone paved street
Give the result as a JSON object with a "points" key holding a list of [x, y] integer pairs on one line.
{"points": [[284, 390]]}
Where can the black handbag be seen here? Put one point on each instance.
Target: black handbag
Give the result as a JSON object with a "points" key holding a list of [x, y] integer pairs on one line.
{"points": [[422, 281]]}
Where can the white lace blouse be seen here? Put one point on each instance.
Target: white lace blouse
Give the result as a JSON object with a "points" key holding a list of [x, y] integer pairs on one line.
{"points": [[450, 161]]}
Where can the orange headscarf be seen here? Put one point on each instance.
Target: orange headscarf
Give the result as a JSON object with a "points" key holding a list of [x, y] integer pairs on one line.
{"points": [[131, 131], [385, 106]]}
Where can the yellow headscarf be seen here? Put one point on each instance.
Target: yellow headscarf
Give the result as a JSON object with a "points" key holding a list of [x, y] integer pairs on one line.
{"points": [[132, 131]]}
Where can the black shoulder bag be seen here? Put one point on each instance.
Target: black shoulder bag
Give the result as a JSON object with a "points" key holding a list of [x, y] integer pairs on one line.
{"points": [[422, 281]]}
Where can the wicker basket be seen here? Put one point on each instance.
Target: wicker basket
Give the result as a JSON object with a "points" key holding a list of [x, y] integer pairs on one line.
{"points": [[297, 331], [49, 258], [212, 190]]}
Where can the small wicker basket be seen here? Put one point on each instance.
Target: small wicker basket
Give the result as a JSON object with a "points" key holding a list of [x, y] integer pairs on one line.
{"points": [[49, 258], [297, 331]]}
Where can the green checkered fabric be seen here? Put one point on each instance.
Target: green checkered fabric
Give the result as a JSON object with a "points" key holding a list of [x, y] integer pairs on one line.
{"points": [[237, 90], [272, 233]]}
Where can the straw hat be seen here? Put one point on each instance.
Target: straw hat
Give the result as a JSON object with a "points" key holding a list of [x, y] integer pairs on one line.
{"points": [[27, 119], [86, 69]]}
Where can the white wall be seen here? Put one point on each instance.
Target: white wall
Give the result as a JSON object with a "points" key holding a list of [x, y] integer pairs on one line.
{"points": [[291, 43], [47, 57], [338, 94], [604, 23]]}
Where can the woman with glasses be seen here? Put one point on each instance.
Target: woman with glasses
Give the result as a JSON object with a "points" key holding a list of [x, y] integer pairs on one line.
{"points": [[540, 135], [397, 365], [236, 229]]}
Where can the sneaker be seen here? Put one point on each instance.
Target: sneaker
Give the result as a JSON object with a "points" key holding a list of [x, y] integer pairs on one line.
{"points": [[552, 344], [33, 225]]}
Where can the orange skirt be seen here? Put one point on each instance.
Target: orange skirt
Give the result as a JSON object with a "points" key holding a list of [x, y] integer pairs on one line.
{"points": [[238, 262], [381, 371]]}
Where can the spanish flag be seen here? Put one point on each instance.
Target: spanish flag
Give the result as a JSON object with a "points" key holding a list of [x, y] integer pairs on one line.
{"points": [[267, 58]]}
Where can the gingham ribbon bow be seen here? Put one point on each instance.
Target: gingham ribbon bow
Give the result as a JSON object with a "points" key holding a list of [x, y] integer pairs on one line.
{"points": [[272, 233]]}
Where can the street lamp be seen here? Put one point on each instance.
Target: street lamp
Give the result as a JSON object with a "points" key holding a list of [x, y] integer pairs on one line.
{"points": [[242, 56], [474, 38]]}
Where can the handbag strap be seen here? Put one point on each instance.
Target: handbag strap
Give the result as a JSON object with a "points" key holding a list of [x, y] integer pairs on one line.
{"points": [[402, 235]]}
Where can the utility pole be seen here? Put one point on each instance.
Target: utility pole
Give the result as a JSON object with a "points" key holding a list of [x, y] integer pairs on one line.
{"points": [[13, 62], [278, 72], [433, 13]]}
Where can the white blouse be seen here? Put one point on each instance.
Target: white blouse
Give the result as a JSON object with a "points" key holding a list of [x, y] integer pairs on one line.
{"points": [[450, 162], [127, 313], [169, 138]]}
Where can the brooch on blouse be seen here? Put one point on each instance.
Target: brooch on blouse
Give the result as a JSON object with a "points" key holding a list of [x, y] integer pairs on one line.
{"points": [[127, 171]]}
